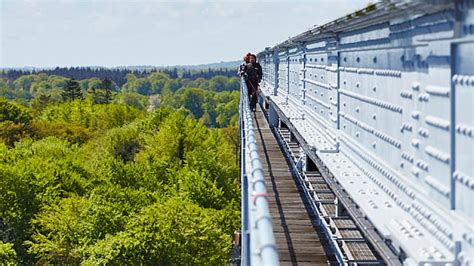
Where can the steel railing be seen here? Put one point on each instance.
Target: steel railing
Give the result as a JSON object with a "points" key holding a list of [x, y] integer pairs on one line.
{"points": [[258, 242]]}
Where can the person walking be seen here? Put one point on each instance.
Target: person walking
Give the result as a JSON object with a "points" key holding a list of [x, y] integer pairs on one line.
{"points": [[252, 72]]}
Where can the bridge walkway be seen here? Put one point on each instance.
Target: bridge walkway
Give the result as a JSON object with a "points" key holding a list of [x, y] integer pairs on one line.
{"points": [[296, 235]]}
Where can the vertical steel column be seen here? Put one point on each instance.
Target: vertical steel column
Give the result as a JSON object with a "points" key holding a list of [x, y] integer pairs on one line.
{"points": [[287, 75], [303, 83], [276, 64]]}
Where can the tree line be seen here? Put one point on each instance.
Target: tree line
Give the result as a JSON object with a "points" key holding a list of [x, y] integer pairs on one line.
{"points": [[118, 75]]}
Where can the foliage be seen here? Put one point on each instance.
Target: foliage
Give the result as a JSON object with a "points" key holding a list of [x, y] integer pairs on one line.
{"points": [[106, 184], [215, 109], [13, 112], [73, 133], [103, 182], [11, 132], [14, 120], [91, 115], [175, 232], [72, 91], [107, 86], [7, 254], [133, 99]]}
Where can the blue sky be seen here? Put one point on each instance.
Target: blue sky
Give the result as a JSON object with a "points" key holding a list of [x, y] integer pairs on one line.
{"points": [[48, 33]]}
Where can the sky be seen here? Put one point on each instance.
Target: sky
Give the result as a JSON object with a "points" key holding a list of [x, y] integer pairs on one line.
{"points": [[50, 33]]}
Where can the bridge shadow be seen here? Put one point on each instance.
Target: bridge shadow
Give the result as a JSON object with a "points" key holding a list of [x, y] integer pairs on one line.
{"points": [[277, 196]]}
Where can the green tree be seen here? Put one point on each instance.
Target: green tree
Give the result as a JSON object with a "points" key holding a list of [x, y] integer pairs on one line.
{"points": [[132, 98], [73, 133], [106, 85], [131, 84], [24, 82], [13, 112], [176, 232], [218, 83], [65, 230], [92, 116], [72, 91], [158, 81], [40, 102], [6, 89], [14, 120], [89, 84]]}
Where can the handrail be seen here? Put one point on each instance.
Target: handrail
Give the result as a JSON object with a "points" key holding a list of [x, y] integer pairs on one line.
{"points": [[258, 240]]}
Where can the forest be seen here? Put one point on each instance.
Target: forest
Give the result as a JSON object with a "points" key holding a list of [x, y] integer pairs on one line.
{"points": [[118, 75], [94, 173]]}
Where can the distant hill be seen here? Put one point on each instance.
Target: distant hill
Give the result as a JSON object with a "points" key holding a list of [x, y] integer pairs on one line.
{"points": [[217, 65], [222, 64]]}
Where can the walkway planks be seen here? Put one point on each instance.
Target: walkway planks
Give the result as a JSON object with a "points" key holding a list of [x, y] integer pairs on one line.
{"points": [[297, 239]]}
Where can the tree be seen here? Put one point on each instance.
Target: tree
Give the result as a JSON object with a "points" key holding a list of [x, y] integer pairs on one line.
{"points": [[218, 83], [40, 102], [231, 135], [132, 98], [13, 112], [93, 116], [106, 85], [11, 132], [71, 132], [72, 91], [14, 120], [131, 83], [176, 232]]}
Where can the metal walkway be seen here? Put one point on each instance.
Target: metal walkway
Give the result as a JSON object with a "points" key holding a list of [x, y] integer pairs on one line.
{"points": [[290, 214], [293, 222]]}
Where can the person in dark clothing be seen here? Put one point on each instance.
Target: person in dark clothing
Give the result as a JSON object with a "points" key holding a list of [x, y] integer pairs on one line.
{"points": [[252, 73], [242, 66]]}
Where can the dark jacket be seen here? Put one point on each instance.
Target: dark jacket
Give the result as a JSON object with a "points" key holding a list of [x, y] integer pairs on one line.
{"points": [[253, 72]]}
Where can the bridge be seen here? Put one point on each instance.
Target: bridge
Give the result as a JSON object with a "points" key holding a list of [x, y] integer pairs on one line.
{"points": [[362, 149]]}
